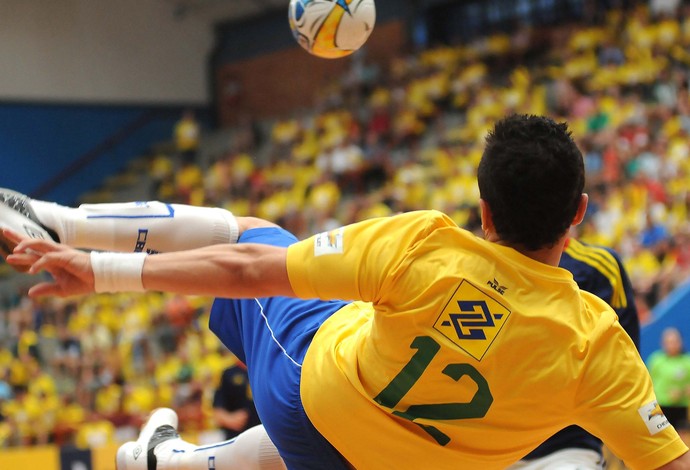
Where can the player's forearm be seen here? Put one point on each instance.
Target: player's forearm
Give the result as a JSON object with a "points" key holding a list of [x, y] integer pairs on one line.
{"points": [[233, 271]]}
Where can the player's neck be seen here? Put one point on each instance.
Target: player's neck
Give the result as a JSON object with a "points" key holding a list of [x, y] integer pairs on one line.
{"points": [[550, 256]]}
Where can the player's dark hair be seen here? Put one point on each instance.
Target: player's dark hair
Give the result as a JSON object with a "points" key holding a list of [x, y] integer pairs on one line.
{"points": [[532, 177]]}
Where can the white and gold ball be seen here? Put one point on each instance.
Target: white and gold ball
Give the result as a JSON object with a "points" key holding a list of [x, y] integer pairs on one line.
{"points": [[331, 28]]}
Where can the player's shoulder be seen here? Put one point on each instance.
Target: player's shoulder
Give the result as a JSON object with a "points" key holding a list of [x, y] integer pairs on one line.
{"points": [[431, 215], [598, 323], [594, 303], [418, 223]]}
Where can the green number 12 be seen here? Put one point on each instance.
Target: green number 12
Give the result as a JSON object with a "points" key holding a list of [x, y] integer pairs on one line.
{"points": [[427, 349]]}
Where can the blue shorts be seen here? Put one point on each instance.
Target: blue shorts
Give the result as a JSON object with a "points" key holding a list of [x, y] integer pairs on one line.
{"points": [[271, 336]]}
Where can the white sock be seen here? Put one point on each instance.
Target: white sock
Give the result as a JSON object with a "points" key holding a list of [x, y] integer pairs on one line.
{"points": [[251, 450], [151, 227]]}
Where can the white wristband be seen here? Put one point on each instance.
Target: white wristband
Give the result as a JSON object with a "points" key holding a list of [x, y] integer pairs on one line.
{"points": [[117, 272]]}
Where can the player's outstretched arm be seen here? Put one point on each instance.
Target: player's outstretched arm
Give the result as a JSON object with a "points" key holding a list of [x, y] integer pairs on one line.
{"points": [[233, 271]]}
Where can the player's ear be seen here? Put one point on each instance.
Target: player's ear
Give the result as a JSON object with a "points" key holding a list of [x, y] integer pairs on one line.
{"points": [[581, 209], [487, 217]]}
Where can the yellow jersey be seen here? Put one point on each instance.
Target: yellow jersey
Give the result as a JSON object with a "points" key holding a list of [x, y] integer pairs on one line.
{"points": [[461, 353]]}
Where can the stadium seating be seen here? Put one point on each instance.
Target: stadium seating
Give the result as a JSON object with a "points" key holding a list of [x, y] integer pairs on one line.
{"points": [[86, 371]]}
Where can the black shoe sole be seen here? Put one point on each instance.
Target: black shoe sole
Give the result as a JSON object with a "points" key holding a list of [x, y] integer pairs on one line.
{"points": [[161, 434]]}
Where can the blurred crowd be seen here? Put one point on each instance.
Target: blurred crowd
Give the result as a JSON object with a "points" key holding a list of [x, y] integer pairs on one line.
{"points": [[383, 139], [87, 372]]}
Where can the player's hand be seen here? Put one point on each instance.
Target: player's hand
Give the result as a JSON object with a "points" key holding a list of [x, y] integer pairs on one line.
{"points": [[70, 269]]}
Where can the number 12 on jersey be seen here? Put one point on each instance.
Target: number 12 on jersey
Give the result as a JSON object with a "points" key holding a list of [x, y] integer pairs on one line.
{"points": [[427, 348]]}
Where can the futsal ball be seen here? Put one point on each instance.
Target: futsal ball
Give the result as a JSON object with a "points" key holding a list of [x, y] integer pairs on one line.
{"points": [[331, 28]]}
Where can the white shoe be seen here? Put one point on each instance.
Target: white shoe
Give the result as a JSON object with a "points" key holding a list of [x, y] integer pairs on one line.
{"points": [[17, 215], [139, 455]]}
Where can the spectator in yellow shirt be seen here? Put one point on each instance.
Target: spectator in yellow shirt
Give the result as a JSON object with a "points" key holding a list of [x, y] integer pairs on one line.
{"points": [[187, 132]]}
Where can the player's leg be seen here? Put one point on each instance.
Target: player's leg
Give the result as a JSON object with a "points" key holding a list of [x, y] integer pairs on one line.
{"points": [[271, 336], [160, 447], [150, 226]]}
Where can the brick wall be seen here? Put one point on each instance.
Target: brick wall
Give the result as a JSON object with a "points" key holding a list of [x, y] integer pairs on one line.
{"points": [[276, 83]]}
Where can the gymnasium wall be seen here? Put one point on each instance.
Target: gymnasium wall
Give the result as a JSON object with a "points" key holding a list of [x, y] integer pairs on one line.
{"points": [[278, 82], [88, 85], [78, 73], [82, 50], [258, 70], [60, 151]]}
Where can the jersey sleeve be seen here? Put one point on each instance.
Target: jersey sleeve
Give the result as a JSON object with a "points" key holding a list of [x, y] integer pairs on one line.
{"points": [[616, 402], [355, 262]]}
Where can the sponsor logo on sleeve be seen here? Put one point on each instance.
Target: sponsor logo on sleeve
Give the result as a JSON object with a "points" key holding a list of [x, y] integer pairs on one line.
{"points": [[329, 243], [653, 417]]}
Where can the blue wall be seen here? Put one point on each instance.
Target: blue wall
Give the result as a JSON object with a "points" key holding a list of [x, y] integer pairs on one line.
{"points": [[674, 311], [58, 152]]}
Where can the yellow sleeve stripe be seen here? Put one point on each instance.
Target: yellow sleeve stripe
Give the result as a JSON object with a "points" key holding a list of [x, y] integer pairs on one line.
{"points": [[605, 263]]}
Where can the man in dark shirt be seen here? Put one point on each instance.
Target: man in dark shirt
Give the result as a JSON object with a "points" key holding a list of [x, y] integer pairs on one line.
{"points": [[233, 408]]}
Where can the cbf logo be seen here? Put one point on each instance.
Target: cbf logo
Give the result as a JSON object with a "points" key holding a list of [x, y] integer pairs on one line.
{"points": [[472, 319]]}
